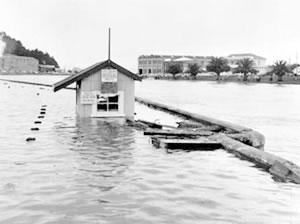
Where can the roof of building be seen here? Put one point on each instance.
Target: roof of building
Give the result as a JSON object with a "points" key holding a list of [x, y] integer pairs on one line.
{"points": [[92, 69], [183, 59], [245, 55], [172, 57]]}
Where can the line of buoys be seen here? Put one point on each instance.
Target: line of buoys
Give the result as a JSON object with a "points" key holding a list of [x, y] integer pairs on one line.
{"points": [[42, 111]]}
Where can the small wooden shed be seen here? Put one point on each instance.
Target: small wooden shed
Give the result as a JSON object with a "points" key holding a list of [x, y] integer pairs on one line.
{"points": [[105, 89]]}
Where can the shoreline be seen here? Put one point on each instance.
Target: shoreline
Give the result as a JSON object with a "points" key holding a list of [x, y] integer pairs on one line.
{"points": [[230, 79]]}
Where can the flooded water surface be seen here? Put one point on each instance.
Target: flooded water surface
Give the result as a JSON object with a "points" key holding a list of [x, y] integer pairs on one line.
{"points": [[102, 171]]}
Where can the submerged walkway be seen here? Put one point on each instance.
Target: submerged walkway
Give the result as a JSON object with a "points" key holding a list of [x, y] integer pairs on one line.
{"points": [[235, 143]]}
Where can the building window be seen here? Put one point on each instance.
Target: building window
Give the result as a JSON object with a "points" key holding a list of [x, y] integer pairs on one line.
{"points": [[107, 103]]}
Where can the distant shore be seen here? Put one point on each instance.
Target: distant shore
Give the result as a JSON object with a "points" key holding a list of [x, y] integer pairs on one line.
{"points": [[231, 78]]}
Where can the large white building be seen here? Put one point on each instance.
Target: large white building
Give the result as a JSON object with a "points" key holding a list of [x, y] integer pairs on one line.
{"points": [[259, 62], [156, 64]]}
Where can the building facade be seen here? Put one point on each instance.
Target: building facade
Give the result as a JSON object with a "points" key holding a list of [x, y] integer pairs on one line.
{"points": [[103, 90], [47, 68], [259, 62], [14, 63], [158, 64]]}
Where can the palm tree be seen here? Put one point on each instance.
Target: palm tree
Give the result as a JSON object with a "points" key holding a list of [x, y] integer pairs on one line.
{"points": [[174, 69], [193, 69], [218, 65], [280, 68], [245, 66]]}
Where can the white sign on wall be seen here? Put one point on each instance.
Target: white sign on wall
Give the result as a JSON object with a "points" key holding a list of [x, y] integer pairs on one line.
{"points": [[109, 75], [88, 97]]}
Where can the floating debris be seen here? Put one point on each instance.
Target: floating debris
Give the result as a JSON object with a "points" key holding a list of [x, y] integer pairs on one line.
{"points": [[30, 139]]}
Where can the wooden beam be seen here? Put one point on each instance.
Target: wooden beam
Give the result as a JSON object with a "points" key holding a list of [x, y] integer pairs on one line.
{"points": [[177, 132]]}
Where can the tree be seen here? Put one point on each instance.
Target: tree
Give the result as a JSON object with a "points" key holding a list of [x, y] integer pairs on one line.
{"points": [[245, 66], [174, 69], [280, 68], [16, 47], [193, 69], [218, 65]]}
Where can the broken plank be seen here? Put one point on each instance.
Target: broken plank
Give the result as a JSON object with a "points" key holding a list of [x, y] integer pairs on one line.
{"points": [[202, 144], [150, 124]]}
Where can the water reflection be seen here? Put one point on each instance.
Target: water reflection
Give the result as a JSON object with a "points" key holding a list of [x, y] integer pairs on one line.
{"points": [[104, 147]]}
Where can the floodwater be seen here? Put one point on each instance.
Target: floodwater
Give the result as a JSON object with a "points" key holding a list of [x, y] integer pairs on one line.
{"points": [[101, 171]]}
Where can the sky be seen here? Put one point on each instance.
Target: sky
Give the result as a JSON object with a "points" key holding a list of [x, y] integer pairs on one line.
{"points": [[75, 32]]}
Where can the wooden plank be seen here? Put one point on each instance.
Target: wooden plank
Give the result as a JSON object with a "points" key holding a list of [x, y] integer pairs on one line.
{"points": [[177, 132], [199, 126], [150, 124], [202, 144]]}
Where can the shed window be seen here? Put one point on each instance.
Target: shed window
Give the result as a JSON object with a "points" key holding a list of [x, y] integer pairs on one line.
{"points": [[107, 103]]}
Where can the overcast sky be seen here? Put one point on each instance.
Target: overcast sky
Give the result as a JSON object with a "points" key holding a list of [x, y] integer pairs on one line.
{"points": [[75, 31]]}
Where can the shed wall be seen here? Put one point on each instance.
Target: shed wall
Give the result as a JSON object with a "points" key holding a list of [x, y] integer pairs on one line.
{"points": [[93, 83]]}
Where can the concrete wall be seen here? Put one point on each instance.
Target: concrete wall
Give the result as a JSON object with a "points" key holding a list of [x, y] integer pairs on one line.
{"points": [[13, 63], [93, 83]]}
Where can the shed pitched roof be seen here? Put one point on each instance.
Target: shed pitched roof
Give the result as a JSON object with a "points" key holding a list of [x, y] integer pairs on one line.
{"points": [[92, 69]]}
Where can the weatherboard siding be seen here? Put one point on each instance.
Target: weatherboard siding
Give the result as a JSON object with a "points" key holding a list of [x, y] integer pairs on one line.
{"points": [[93, 83], [126, 85]]}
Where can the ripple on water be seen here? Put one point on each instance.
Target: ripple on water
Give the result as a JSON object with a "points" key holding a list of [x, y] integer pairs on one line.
{"points": [[94, 171]]}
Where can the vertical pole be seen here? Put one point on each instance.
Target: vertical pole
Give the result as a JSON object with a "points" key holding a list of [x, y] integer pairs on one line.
{"points": [[108, 43]]}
